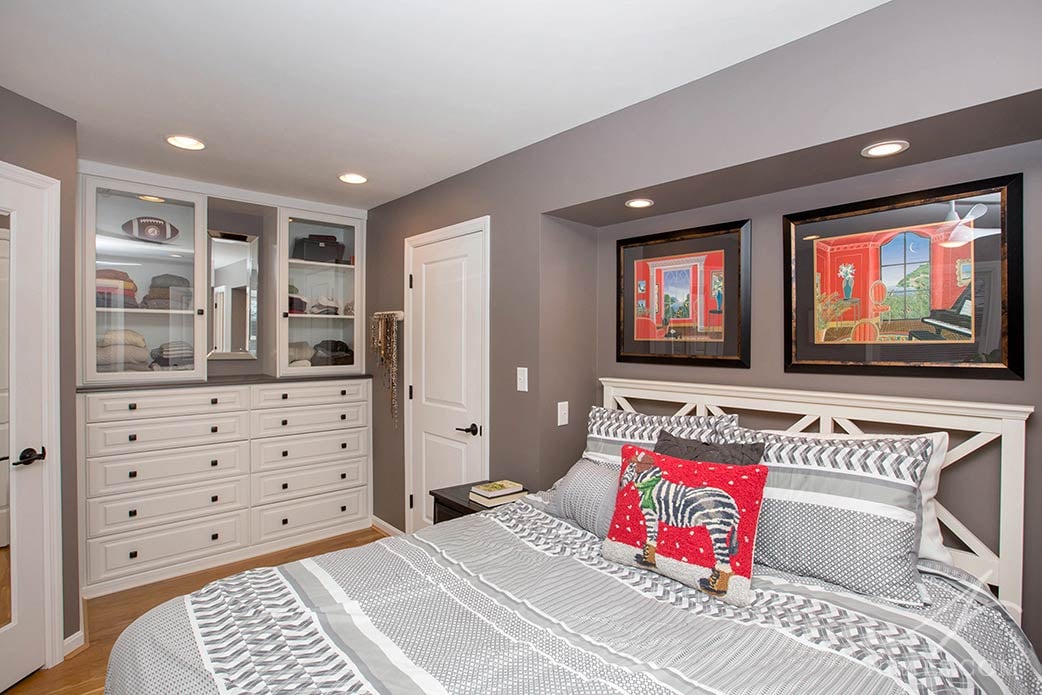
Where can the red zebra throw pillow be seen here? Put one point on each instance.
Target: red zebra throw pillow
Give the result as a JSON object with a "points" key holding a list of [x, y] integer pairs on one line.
{"points": [[692, 521]]}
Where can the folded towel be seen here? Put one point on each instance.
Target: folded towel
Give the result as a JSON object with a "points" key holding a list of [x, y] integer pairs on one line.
{"points": [[115, 276], [300, 363], [174, 351], [300, 351], [168, 280], [121, 336]]}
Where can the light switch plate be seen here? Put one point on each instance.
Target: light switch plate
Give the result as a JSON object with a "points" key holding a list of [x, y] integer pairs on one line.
{"points": [[522, 378], [562, 413]]}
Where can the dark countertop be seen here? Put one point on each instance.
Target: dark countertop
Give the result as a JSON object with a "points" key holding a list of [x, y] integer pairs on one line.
{"points": [[230, 380]]}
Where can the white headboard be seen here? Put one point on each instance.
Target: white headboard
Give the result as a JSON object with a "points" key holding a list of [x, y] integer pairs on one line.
{"points": [[984, 422]]}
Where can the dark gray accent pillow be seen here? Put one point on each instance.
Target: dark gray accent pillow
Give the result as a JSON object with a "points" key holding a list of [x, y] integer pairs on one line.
{"points": [[697, 450]]}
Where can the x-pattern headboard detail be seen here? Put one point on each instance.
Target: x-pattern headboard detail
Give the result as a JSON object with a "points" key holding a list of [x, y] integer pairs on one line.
{"points": [[985, 422]]}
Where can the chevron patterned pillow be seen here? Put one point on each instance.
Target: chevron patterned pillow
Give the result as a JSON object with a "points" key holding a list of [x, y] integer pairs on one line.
{"points": [[609, 430], [847, 516]]}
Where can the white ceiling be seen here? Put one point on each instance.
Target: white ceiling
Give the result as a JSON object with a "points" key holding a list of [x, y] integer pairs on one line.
{"points": [[287, 95]]}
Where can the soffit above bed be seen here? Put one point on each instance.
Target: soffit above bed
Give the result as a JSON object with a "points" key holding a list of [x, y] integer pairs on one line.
{"points": [[1008, 121]]}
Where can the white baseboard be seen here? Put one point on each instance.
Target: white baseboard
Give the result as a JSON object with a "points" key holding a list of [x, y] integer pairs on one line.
{"points": [[386, 527], [73, 642]]}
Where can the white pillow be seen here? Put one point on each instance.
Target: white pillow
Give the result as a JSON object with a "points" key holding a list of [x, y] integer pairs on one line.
{"points": [[931, 544]]}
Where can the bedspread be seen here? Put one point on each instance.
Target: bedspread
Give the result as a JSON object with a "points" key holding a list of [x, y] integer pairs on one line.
{"points": [[517, 601]]}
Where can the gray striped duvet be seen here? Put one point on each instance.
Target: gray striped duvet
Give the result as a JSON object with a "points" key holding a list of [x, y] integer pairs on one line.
{"points": [[518, 601]]}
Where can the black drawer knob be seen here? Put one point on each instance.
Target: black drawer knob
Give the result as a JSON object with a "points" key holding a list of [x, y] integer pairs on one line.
{"points": [[199, 312], [214, 536], [285, 422], [285, 453], [213, 463], [213, 401], [132, 513], [132, 438], [343, 476], [213, 428], [343, 416], [285, 314], [285, 486], [132, 406], [343, 445], [213, 498], [132, 554], [131, 474], [285, 521], [343, 508], [285, 396], [343, 392]]}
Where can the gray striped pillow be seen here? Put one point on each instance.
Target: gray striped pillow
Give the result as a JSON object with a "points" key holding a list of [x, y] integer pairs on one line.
{"points": [[845, 515], [609, 430]]}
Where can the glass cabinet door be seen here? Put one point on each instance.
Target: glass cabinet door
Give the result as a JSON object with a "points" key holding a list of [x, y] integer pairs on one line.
{"points": [[144, 287], [321, 317]]}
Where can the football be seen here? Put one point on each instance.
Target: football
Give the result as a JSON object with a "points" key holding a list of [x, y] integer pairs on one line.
{"points": [[150, 229]]}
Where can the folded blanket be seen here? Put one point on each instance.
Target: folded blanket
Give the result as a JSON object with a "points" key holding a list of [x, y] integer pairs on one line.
{"points": [[115, 278], [121, 336], [300, 363], [128, 367], [300, 351], [115, 300], [173, 351], [150, 302]]}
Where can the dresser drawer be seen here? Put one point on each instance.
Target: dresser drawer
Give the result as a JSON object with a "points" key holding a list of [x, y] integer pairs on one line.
{"points": [[276, 521], [277, 486], [309, 393], [139, 551], [279, 453], [105, 438], [318, 418], [139, 510], [137, 405], [131, 472]]}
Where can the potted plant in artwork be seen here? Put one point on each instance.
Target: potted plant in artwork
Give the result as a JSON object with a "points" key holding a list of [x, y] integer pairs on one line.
{"points": [[717, 288], [828, 308], [846, 272]]}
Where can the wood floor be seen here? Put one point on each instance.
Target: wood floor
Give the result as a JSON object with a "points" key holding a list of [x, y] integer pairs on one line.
{"points": [[5, 585], [107, 616]]}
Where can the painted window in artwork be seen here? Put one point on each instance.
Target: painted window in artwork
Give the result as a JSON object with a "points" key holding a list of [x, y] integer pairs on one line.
{"points": [[905, 269]]}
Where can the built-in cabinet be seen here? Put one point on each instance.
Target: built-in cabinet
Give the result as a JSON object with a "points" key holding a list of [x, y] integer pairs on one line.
{"points": [[177, 479], [270, 448]]}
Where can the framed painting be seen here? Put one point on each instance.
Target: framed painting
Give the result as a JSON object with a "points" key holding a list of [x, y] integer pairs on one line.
{"points": [[683, 297], [924, 284]]}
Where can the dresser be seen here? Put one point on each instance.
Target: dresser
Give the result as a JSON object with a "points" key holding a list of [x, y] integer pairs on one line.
{"points": [[177, 479]]}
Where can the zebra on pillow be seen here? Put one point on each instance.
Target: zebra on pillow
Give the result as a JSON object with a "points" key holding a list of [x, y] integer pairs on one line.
{"points": [[682, 506]]}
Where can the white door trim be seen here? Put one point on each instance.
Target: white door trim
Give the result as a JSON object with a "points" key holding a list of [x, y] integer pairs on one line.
{"points": [[50, 389], [482, 225]]}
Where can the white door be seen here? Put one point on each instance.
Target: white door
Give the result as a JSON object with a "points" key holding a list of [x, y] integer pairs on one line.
{"points": [[29, 346], [446, 329]]}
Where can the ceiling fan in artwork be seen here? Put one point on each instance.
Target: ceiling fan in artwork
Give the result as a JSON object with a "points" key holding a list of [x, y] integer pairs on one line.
{"points": [[963, 231]]}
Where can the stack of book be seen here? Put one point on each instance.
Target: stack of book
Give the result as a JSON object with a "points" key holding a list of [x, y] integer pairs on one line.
{"points": [[497, 492]]}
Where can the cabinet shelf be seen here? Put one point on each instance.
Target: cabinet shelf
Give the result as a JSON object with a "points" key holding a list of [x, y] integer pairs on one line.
{"points": [[321, 316], [319, 264], [154, 312]]}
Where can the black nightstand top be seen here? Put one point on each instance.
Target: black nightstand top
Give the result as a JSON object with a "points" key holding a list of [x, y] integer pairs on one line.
{"points": [[457, 498]]}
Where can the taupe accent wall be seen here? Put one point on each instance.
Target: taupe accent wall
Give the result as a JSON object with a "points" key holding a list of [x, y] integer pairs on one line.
{"points": [[34, 137], [889, 66]]}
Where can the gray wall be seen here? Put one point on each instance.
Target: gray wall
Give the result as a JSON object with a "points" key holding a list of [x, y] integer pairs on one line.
{"points": [[36, 138], [889, 66]]}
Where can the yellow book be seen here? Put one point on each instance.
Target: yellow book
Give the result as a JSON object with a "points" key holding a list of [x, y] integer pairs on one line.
{"points": [[497, 488]]}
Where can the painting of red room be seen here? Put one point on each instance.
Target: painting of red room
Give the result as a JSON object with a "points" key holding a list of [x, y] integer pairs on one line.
{"points": [[925, 280], [680, 296]]}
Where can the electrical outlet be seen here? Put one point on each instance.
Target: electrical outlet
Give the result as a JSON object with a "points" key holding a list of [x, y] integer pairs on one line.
{"points": [[522, 378], [562, 413]]}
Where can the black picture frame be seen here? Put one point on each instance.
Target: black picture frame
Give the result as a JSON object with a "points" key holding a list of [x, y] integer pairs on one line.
{"points": [[980, 335], [704, 330]]}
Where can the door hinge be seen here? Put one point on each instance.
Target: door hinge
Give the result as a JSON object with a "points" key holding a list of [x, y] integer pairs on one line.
{"points": [[410, 392], [410, 281], [410, 501]]}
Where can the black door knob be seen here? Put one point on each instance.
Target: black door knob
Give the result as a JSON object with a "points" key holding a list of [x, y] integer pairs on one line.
{"points": [[30, 456], [472, 430]]}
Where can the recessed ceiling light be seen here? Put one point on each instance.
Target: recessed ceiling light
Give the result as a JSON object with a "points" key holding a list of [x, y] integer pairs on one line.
{"points": [[151, 199], [186, 142], [639, 203], [353, 178], [885, 148]]}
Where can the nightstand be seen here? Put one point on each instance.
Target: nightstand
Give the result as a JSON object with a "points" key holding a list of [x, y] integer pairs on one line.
{"points": [[454, 502]]}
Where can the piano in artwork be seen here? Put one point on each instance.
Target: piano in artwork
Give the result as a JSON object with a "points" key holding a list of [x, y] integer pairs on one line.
{"points": [[958, 318]]}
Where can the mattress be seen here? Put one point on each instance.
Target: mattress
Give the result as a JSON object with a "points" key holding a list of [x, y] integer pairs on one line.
{"points": [[518, 601]]}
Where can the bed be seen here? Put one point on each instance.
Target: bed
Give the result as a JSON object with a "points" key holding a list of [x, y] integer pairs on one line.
{"points": [[517, 600]]}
